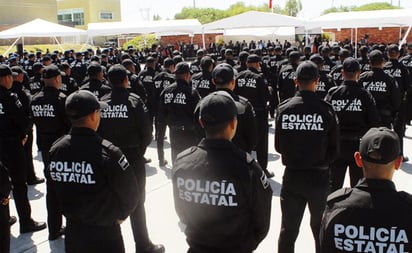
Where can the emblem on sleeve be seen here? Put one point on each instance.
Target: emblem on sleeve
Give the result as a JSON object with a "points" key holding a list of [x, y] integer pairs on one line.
{"points": [[264, 180], [124, 164]]}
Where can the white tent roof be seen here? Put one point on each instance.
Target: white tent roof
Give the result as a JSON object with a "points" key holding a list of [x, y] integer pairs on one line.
{"points": [[145, 27], [254, 19], [40, 28], [359, 19], [261, 31]]}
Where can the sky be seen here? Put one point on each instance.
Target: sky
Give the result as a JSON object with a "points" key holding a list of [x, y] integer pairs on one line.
{"points": [[141, 9]]}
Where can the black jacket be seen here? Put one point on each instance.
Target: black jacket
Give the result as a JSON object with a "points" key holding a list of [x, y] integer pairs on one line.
{"points": [[92, 179], [223, 197], [370, 216], [202, 82], [98, 88], [252, 85], [307, 132]]}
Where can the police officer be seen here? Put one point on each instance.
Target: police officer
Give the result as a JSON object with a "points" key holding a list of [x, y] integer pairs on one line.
{"points": [[372, 216], [325, 82], [195, 65], [14, 125], [146, 77], [36, 83], [364, 59], [96, 82], [357, 112], [161, 81], [93, 180], [47, 109], [125, 122], [407, 62], [5, 188], [202, 81], [69, 84], [79, 68], [135, 85], [336, 72], [286, 84], [252, 85], [306, 135], [234, 202], [398, 71], [177, 104], [383, 88], [241, 64]]}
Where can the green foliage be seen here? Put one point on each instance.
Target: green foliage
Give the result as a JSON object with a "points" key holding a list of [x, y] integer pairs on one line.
{"points": [[366, 7], [292, 7], [141, 41], [207, 15], [157, 17]]}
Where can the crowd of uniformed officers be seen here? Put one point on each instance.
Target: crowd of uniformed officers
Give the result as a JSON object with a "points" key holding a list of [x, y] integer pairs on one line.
{"points": [[94, 116]]}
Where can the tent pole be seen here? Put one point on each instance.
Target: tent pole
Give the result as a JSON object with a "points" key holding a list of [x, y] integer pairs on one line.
{"points": [[58, 43], [203, 38], [12, 45], [356, 42], [405, 37]]}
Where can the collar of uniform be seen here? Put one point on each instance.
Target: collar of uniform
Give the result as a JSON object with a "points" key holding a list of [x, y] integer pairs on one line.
{"points": [[376, 184], [305, 93], [82, 131], [181, 82], [377, 69], [215, 143], [254, 70], [347, 82], [49, 88]]}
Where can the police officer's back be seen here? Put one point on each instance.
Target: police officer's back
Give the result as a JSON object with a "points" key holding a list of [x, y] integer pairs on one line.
{"points": [[135, 85], [93, 180], [202, 81], [96, 83], [69, 84], [357, 112], [325, 82], [235, 196], [383, 88], [372, 216], [306, 136], [286, 84]]}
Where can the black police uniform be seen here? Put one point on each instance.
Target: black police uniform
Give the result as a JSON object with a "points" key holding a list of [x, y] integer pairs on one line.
{"points": [[35, 84], [69, 85], [401, 74], [252, 85], [5, 188], [79, 70], [286, 83], [385, 91], [273, 69], [371, 217], [223, 197], [195, 66], [336, 74], [357, 112], [161, 81], [146, 77], [97, 87], [328, 64], [407, 62], [136, 86], [306, 135], [177, 104], [325, 83], [202, 82], [49, 116], [364, 64], [96, 187], [126, 123]]}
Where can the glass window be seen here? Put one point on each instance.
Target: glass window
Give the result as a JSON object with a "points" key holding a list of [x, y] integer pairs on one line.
{"points": [[106, 15]]}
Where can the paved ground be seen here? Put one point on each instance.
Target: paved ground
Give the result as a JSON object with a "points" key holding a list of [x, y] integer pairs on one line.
{"points": [[162, 220]]}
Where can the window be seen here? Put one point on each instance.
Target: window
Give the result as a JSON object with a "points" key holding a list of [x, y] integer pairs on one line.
{"points": [[106, 15], [71, 17]]}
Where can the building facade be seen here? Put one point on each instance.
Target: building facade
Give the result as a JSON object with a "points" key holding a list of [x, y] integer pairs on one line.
{"points": [[78, 13]]}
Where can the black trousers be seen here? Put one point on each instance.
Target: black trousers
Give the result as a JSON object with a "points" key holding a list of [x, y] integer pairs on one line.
{"points": [[339, 166], [54, 212], [4, 229], [399, 125], [299, 188], [181, 140], [81, 238], [262, 138], [160, 126], [28, 151], [14, 159]]}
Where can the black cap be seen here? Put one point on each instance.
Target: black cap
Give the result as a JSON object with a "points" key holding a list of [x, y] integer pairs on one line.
{"points": [[51, 71], [383, 143], [168, 62], [278, 48], [116, 74], [182, 68], [82, 103], [150, 59], [5, 70], [17, 70], [316, 58], [351, 65], [177, 59], [294, 56], [307, 71], [206, 62], [393, 48], [127, 62], [344, 53], [200, 52], [229, 51], [217, 108], [37, 66], [376, 56], [363, 49], [94, 69], [223, 74], [243, 56], [253, 58]]}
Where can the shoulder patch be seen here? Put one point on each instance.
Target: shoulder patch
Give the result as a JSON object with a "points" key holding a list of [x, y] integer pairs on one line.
{"points": [[123, 163], [339, 194]]}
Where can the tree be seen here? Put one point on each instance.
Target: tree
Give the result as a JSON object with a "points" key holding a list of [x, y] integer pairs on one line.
{"points": [[365, 7], [157, 17], [292, 7]]}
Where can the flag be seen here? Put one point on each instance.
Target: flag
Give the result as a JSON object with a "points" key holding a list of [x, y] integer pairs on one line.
{"points": [[270, 4]]}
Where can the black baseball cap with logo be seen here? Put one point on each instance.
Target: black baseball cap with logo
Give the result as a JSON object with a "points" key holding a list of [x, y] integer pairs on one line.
{"points": [[351, 65], [217, 108], [51, 71], [5, 70], [307, 71], [223, 74]]}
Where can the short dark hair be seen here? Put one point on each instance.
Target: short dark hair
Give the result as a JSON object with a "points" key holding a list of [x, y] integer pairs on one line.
{"points": [[117, 74]]}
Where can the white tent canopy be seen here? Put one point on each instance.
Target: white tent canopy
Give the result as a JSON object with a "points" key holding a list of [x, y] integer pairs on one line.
{"points": [[360, 19], [190, 26], [40, 28], [254, 19]]}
